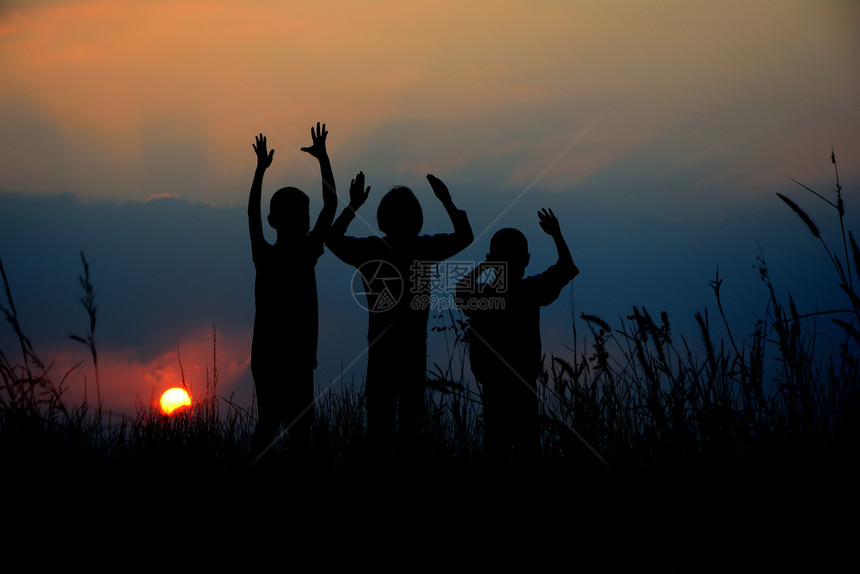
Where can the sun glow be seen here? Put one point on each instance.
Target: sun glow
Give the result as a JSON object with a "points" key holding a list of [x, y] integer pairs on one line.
{"points": [[174, 399]]}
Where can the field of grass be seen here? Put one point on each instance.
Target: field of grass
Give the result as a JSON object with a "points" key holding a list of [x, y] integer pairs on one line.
{"points": [[682, 452]]}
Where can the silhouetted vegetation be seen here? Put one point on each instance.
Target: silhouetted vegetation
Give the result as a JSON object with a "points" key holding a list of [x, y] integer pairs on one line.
{"points": [[626, 402]]}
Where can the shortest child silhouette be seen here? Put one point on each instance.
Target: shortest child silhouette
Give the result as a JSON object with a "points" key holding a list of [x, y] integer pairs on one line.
{"points": [[504, 336]]}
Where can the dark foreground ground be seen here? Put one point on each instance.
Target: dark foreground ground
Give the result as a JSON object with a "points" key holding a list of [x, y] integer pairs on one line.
{"points": [[423, 516]]}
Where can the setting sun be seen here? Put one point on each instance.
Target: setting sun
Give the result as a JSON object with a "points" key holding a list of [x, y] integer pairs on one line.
{"points": [[173, 399]]}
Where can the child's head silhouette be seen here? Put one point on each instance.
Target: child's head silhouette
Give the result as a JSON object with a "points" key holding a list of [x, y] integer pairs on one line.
{"points": [[289, 211], [399, 214], [510, 246]]}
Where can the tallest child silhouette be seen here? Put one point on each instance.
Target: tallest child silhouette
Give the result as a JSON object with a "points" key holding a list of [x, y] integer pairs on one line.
{"points": [[284, 347], [397, 326]]}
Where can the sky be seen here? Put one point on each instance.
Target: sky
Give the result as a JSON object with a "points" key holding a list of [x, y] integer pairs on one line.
{"points": [[658, 131]]}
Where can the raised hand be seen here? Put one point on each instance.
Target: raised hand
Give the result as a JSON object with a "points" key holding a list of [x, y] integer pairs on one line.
{"points": [[317, 148], [549, 222], [357, 192], [439, 189], [264, 158]]}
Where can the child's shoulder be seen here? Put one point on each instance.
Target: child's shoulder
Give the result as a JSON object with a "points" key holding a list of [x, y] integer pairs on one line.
{"points": [[546, 286]]}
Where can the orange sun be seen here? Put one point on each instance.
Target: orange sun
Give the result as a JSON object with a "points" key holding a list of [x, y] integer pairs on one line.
{"points": [[173, 399]]}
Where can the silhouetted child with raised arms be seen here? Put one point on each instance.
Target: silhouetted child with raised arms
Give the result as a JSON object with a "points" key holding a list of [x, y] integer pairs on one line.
{"points": [[284, 347], [395, 273], [504, 336]]}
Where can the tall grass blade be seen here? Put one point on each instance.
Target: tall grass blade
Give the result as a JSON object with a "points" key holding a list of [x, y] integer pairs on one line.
{"points": [[802, 214], [815, 193]]}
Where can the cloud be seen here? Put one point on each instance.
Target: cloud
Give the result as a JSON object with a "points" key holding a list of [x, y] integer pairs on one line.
{"points": [[166, 260], [158, 196]]}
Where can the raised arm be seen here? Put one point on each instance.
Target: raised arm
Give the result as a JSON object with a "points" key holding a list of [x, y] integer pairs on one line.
{"points": [[336, 240], [462, 229], [549, 223], [329, 193], [255, 216]]}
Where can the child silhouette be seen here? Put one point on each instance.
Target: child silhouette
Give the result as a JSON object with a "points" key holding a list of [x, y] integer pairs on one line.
{"points": [[284, 346], [504, 335], [394, 270]]}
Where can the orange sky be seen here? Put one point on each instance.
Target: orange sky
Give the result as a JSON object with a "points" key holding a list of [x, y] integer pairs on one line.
{"points": [[136, 98]]}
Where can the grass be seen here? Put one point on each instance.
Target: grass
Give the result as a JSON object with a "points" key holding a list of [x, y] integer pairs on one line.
{"points": [[653, 442]]}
